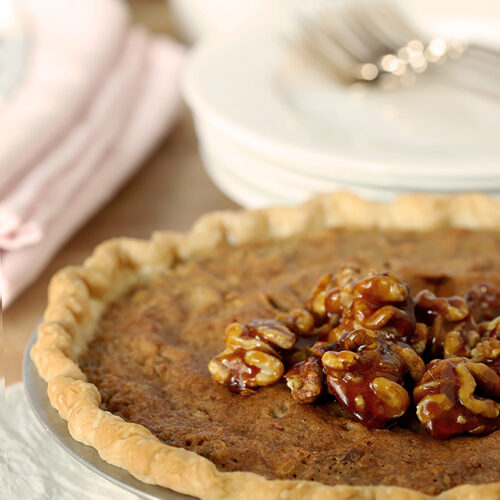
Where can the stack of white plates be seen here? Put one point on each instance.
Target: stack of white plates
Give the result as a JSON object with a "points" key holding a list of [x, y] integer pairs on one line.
{"points": [[272, 131]]}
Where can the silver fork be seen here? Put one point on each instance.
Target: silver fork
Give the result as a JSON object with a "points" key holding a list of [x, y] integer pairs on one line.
{"points": [[374, 41]]}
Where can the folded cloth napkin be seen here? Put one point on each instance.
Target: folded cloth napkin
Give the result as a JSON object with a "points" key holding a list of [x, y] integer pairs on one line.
{"points": [[97, 96], [34, 466]]}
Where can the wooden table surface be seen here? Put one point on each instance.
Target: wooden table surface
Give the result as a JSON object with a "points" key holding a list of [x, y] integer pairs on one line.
{"points": [[170, 191]]}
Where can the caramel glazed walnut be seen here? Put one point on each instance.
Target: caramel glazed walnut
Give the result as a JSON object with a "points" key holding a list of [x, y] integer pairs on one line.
{"points": [[367, 342]]}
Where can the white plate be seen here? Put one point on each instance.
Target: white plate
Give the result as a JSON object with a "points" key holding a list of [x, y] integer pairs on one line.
{"points": [[255, 184], [307, 179], [243, 87], [243, 194]]}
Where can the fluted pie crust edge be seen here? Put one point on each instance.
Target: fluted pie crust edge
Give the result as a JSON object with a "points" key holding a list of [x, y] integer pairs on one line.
{"points": [[78, 295]]}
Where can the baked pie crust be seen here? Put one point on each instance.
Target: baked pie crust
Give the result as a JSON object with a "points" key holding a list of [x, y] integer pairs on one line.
{"points": [[79, 295]]}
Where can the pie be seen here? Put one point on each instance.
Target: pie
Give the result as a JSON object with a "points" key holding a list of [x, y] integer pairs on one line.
{"points": [[128, 335]]}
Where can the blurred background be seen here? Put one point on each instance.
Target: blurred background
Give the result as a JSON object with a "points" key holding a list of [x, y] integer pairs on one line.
{"points": [[118, 118]]}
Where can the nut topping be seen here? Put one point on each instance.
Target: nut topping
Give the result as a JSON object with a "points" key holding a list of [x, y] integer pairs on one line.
{"points": [[344, 302], [305, 380], [370, 337], [382, 302], [446, 399], [484, 302], [260, 334], [452, 330], [331, 293], [487, 350], [365, 371], [252, 355], [332, 299], [299, 321], [325, 305]]}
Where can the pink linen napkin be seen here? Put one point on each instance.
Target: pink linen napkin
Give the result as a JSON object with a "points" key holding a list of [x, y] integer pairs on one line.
{"points": [[86, 142]]}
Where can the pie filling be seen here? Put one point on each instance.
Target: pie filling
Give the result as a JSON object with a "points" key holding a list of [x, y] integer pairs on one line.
{"points": [[152, 347]]}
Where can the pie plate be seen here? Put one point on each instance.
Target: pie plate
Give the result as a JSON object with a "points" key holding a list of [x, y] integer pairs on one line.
{"points": [[36, 393], [123, 265]]}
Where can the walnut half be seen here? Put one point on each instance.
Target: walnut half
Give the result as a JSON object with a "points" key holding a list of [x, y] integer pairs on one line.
{"points": [[306, 378], [487, 350], [365, 371], [484, 302], [447, 402], [381, 302], [452, 330], [252, 355]]}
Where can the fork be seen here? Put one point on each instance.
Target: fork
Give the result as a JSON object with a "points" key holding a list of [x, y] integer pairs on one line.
{"points": [[374, 41]]}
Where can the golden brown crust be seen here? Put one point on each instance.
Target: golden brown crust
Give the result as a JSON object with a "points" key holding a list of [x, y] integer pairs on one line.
{"points": [[78, 295]]}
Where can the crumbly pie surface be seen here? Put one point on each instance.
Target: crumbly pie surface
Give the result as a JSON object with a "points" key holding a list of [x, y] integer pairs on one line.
{"points": [[142, 320]]}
